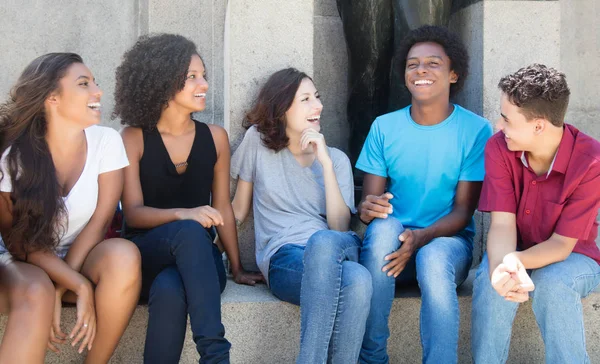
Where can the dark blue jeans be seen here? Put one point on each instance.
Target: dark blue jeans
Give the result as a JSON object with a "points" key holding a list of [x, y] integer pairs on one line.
{"points": [[182, 273]]}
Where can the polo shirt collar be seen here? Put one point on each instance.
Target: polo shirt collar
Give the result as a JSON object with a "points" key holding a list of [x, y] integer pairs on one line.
{"points": [[562, 155]]}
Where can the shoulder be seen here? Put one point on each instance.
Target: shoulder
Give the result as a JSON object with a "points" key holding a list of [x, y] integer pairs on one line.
{"points": [[585, 144], [473, 121], [390, 119], [338, 157], [219, 133]]}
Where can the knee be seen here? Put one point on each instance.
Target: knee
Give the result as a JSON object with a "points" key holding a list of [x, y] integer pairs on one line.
{"points": [[551, 284], [34, 292], [191, 233], [357, 283], [381, 238], [167, 289], [122, 258]]}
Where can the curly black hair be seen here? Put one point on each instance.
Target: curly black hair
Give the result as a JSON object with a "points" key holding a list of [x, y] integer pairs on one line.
{"points": [[540, 92], [150, 75], [453, 46]]}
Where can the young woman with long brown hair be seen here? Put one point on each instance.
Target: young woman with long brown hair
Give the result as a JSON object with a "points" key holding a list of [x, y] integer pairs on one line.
{"points": [[61, 179]]}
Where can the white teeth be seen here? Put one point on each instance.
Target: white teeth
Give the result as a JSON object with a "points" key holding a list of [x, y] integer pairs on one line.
{"points": [[423, 82], [200, 95], [94, 105], [314, 118]]}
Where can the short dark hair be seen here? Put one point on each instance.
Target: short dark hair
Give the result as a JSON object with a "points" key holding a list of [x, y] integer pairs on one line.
{"points": [[540, 92], [274, 100], [452, 44], [152, 72]]}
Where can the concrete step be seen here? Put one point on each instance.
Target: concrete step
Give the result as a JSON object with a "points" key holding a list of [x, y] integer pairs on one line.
{"points": [[264, 330]]}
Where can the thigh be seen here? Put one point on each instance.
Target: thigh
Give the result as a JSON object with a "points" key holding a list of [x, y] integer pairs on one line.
{"points": [[446, 256], [578, 272], [285, 273], [19, 277]]}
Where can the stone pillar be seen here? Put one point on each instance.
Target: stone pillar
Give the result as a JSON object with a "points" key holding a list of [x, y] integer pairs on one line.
{"points": [[261, 38], [503, 36]]}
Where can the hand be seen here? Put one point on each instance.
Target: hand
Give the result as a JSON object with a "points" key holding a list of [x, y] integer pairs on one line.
{"points": [[411, 240], [519, 293], [85, 327], [375, 207], [247, 278], [56, 334], [312, 137], [207, 216]]}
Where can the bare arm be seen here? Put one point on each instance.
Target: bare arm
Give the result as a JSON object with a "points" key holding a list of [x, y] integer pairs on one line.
{"points": [[110, 186], [502, 237], [555, 249], [242, 201], [338, 213]]}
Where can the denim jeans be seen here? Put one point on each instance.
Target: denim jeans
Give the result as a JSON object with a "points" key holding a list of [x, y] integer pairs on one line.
{"points": [[556, 302], [183, 273], [333, 292], [439, 268]]}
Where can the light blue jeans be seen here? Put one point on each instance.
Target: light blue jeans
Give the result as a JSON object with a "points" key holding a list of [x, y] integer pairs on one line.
{"points": [[556, 302], [439, 268], [333, 292]]}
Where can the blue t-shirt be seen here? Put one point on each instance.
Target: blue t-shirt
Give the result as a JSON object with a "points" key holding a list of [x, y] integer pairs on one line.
{"points": [[423, 164]]}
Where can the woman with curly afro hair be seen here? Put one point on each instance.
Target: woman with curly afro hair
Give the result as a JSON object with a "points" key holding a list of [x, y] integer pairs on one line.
{"points": [[303, 197], [176, 192]]}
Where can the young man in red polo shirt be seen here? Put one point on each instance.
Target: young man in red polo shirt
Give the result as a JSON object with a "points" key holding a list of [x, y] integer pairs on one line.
{"points": [[542, 187]]}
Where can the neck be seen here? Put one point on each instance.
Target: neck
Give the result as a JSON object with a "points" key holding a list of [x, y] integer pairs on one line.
{"points": [[431, 113], [544, 151], [174, 121], [64, 137]]}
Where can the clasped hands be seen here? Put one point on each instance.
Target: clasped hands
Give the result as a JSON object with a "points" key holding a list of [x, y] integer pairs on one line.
{"points": [[510, 279]]}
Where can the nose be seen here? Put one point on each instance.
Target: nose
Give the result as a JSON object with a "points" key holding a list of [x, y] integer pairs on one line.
{"points": [[203, 83], [97, 91], [421, 68], [499, 124], [318, 105]]}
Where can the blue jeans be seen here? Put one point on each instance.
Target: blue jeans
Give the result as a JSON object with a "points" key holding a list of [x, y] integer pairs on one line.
{"points": [[333, 292], [439, 268], [556, 302], [183, 272]]}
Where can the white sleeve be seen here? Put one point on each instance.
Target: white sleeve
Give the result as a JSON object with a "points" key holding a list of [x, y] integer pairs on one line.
{"points": [[112, 152], [5, 183]]}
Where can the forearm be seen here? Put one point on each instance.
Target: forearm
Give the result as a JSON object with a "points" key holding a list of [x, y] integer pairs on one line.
{"points": [[59, 271], [545, 253], [90, 236], [228, 236], [501, 240], [453, 223], [144, 217], [338, 214]]}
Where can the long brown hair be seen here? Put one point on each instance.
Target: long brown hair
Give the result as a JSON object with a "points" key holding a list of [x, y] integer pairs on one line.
{"points": [[38, 208], [274, 100]]}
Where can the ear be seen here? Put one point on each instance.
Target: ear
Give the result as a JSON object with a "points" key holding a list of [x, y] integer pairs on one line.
{"points": [[453, 77], [539, 125], [52, 99]]}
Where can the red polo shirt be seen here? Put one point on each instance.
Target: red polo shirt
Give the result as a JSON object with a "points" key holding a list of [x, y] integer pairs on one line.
{"points": [[565, 200]]}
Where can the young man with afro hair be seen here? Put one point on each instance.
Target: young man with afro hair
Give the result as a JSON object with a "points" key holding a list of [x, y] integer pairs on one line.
{"points": [[542, 187], [424, 170]]}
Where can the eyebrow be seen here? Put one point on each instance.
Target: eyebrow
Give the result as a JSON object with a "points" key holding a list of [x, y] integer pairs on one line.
{"points": [[432, 56], [82, 76], [195, 71]]}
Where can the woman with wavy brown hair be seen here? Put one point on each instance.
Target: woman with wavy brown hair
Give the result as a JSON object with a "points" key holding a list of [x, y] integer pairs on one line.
{"points": [[61, 178], [302, 195]]}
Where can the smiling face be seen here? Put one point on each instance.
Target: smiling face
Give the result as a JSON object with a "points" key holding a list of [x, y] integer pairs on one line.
{"points": [[193, 95], [77, 98], [519, 133], [428, 74], [305, 111]]}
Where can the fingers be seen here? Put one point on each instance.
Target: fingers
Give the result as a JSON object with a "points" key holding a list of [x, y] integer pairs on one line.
{"points": [[214, 215], [398, 261], [525, 281], [53, 340], [377, 206], [310, 135], [405, 236], [518, 297], [86, 342]]}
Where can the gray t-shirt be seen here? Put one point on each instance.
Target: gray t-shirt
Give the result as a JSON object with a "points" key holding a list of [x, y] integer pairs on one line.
{"points": [[288, 199]]}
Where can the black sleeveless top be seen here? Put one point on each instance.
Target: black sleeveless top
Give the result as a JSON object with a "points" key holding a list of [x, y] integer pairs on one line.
{"points": [[163, 187]]}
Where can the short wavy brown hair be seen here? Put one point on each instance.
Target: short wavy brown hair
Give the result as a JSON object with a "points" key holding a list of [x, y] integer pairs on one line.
{"points": [[274, 100], [540, 91]]}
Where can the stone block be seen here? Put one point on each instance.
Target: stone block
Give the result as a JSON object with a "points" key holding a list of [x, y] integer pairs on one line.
{"points": [[326, 8]]}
